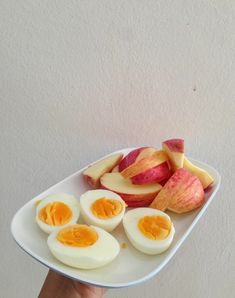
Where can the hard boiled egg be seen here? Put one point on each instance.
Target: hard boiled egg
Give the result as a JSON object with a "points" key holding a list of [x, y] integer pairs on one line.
{"points": [[83, 246], [58, 210], [102, 208], [149, 230]]}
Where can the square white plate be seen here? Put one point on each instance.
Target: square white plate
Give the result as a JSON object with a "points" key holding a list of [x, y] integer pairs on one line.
{"points": [[131, 267]]}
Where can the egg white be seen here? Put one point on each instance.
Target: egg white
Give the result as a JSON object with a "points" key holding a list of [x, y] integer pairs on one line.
{"points": [[138, 239], [86, 201], [102, 252], [67, 199]]}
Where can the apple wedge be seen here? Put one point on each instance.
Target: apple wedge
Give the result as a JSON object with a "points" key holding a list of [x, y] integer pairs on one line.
{"points": [[182, 193], [145, 164], [133, 195], [135, 155], [93, 173], [129, 158], [174, 149], [155, 174], [202, 175], [163, 182], [147, 152]]}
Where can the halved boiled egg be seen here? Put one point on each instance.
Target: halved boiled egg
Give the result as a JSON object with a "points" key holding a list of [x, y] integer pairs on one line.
{"points": [[58, 210], [149, 230], [102, 208], [83, 246]]}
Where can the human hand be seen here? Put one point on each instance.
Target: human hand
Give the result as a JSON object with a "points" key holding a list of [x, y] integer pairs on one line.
{"points": [[58, 286]]}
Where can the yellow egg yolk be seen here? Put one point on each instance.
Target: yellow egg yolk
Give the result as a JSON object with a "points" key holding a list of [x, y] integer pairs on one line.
{"points": [[55, 214], [154, 227], [77, 235], [104, 208]]}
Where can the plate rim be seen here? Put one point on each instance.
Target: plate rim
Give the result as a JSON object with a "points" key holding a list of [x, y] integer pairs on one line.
{"points": [[123, 284]]}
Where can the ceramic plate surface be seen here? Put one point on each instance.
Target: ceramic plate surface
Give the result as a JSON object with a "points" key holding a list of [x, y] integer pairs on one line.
{"points": [[131, 267]]}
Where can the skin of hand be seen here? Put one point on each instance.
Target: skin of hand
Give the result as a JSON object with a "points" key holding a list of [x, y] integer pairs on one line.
{"points": [[58, 286]]}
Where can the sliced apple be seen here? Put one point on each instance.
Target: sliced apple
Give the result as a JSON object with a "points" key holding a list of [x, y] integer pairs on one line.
{"points": [[182, 193], [146, 152], [145, 164], [202, 175], [129, 158], [155, 174], [135, 204], [133, 195], [174, 149], [93, 173], [163, 182]]}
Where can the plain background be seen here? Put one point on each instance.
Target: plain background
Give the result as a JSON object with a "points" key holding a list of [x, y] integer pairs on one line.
{"points": [[80, 79]]}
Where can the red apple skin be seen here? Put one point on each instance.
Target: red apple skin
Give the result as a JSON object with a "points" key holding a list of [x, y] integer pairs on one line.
{"points": [[182, 193], [155, 174], [163, 182], [136, 204], [175, 145], [193, 201], [91, 182], [135, 200], [130, 158], [208, 188]]}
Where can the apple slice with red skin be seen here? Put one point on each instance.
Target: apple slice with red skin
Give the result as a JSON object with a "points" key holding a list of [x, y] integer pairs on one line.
{"points": [[147, 152], [163, 182], [133, 195], [144, 164], [182, 193], [135, 155], [158, 174], [155, 174], [93, 173], [129, 158], [174, 149], [136, 204]]}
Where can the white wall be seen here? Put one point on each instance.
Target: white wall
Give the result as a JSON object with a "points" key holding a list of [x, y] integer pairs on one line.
{"points": [[79, 79]]}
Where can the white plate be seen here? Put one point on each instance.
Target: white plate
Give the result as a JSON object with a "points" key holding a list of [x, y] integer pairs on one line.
{"points": [[130, 267]]}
